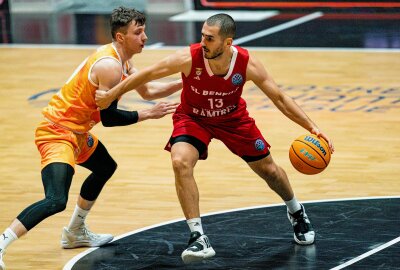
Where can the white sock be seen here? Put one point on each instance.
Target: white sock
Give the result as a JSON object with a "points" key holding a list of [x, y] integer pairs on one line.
{"points": [[195, 225], [78, 218], [6, 239], [293, 205]]}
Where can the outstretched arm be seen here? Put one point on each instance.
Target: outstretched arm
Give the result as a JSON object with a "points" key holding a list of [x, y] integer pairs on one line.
{"points": [[107, 73], [112, 116], [257, 73], [156, 90], [177, 62]]}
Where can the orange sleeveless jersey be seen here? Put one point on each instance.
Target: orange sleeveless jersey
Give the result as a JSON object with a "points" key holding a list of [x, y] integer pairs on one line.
{"points": [[74, 107]]}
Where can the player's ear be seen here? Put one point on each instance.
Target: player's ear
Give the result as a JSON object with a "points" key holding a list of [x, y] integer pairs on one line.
{"points": [[119, 37], [229, 41]]}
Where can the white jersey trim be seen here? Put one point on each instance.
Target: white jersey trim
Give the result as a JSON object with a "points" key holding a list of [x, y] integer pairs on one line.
{"points": [[231, 66], [123, 71]]}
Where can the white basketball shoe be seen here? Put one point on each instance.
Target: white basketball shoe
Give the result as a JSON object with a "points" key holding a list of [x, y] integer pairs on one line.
{"points": [[199, 248], [2, 265], [304, 233], [83, 237]]}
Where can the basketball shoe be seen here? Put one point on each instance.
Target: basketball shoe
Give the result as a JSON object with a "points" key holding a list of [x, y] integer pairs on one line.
{"points": [[83, 237], [303, 232], [199, 248], [2, 265]]}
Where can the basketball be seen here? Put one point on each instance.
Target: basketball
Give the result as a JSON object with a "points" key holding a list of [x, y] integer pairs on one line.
{"points": [[309, 154]]}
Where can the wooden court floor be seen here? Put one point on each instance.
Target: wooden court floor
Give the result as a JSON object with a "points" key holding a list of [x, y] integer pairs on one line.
{"points": [[353, 96]]}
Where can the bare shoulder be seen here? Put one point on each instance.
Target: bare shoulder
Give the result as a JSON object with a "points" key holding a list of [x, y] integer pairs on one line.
{"points": [[107, 63], [253, 61], [255, 69], [106, 71]]}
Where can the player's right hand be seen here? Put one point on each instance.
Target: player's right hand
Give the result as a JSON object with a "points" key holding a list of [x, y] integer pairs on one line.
{"points": [[162, 108]]}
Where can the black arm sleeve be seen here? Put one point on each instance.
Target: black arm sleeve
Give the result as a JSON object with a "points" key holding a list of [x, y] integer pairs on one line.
{"points": [[112, 116]]}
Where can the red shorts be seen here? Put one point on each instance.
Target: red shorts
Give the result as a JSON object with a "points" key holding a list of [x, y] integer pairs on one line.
{"points": [[240, 135]]}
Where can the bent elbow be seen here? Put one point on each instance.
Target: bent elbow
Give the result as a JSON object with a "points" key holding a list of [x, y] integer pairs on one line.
{"points": [[148, 96], [106, 121], [106, 124]]}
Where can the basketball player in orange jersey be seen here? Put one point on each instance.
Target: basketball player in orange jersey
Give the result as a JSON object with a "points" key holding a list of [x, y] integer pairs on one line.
{"points": [[63, 138], [213, 73]]}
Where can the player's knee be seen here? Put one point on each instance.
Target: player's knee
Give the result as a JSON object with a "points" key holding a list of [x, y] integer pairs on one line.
{"points": [[110, 169], [272, 174], [56, 205], [180, 164], [105, 172]]}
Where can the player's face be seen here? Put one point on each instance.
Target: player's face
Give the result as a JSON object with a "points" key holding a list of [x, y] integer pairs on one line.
{"points": [[135, 38], [212, 43]]}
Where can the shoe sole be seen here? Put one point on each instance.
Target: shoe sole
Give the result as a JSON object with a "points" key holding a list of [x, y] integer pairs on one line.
{"points": [[68, 245], [303, 243], [191, 257]]}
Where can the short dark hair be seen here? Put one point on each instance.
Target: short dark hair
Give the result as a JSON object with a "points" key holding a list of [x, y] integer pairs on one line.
{"points": [[122, 16], [225, 22]]}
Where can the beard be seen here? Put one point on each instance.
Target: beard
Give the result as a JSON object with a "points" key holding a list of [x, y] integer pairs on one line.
{"points": [[214, 55]]}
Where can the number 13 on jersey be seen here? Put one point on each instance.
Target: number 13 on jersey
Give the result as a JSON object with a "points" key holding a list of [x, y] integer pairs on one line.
{"points": [[216, 103]]}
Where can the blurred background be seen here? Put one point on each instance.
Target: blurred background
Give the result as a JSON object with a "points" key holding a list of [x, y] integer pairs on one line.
{"points": [[343, 24]]}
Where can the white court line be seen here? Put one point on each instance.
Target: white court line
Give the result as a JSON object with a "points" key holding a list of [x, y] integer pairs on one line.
{"points": [[244, 16], [363, 256], [71, 262], [278, 28], [267, 49]]}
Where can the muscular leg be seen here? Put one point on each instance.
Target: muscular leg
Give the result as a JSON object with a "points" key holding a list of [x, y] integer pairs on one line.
{"points": [[56, 179], [77, 234], [278, 181], [274, 175], [102, 166], [184, 157]]}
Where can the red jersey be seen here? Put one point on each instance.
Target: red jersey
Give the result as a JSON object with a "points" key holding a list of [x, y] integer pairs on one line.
{"points": [[208, 96], [212, 107]]}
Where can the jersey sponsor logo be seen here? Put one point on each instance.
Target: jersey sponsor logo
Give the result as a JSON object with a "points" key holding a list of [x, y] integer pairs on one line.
{"points": [[259, 145], [89, 140], [237, 79], [198, 73], [213, 92]]}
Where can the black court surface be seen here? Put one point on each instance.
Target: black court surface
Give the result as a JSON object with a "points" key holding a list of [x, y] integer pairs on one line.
{"points": [[361, 233]]}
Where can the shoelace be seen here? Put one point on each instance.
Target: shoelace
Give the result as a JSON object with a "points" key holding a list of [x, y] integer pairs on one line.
{"points": [[86, 232], [302, 225]]}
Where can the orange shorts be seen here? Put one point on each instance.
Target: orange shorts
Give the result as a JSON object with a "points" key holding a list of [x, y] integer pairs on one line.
{"points": [[57, 144]]}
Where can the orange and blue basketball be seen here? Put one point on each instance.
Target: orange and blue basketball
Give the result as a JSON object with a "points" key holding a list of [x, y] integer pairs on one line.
{"points": [[309, 154]]}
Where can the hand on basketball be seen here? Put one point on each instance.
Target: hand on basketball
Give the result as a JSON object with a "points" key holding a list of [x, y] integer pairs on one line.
{"points": [[319, 133], [103, 99], [162, 108]]}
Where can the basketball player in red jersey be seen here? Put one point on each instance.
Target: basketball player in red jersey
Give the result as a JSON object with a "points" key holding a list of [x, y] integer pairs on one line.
{"points": [[213, 73], [64, 138]]}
